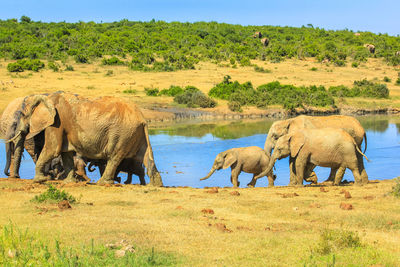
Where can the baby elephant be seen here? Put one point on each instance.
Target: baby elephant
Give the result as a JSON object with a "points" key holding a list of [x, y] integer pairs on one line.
{"points": [[248, 159]]}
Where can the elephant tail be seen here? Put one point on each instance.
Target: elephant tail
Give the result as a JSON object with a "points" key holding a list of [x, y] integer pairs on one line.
{"points": [[91, 167], [365, 138], [359, 151]]}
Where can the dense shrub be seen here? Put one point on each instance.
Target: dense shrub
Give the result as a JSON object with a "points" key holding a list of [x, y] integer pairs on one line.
{"points": [[172, 91], [181, 45], [25, 64], [69, 68], [151, 91], [234, 106], [112, 61], [53, 66], [193, 97], [370, 89], [226, 88], [362, 88], [53, 195]]}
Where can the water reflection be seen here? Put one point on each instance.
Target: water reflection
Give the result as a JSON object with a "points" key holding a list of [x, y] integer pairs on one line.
{"points": [[185, 152]]}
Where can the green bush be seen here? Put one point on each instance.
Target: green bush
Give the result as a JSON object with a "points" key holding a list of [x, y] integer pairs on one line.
{"points": [[151, 91], [398, 81], [354, 64], [226, 88], [81, 58], [25, 64], [261, 69], [314, 69], [69, 68], [129, 91], [15, 67], [396, 188], [387, 79], [370, 89], [334, 240], [53, 66], [193, 97], [234, 106], [341, 91], [172, 91], [112, 61], [53, 195], [109, 73]]}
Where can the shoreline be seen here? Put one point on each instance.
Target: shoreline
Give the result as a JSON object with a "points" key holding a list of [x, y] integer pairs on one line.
{"points": [[173, 114]]}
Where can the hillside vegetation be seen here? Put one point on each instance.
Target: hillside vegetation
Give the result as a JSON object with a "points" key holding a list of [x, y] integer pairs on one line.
{"points": [[162, 46]]}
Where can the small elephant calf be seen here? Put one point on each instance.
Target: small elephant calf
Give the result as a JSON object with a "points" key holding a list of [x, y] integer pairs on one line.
{"points": [[248, 159]]}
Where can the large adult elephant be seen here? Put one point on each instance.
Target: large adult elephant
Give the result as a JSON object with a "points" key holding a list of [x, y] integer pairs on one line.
{"points": [[33, 146], [326, 147], [106, 128], [7, 129], [349, 124]]}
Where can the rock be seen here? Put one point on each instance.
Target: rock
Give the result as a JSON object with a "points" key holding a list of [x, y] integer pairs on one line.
{"points": [[129, 248], [179, 208], [245, 228], [315, 205], [120, 253], [11, 253], [207, 211], [213, 190], [347, 194], [222, 227], [322, 189], [346, 206], [296, 208], [173, 192], [63, 205], [235, 193], [288, 195]]}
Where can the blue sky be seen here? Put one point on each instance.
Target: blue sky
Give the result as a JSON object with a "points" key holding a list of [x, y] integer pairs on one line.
{"points": [[376, 16]]}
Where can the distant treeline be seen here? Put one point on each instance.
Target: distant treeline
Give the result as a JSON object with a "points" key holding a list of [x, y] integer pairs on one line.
{"points": [[162, 46]]}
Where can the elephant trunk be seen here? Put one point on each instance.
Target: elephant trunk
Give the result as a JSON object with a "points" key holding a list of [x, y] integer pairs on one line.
{"points": [[268, 169], [209, 174], [91, 167], [18, 150], [268, 146], [8, 159]]}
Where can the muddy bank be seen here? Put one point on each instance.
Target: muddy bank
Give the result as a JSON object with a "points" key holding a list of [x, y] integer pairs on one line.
{"points": [[169, 114]]}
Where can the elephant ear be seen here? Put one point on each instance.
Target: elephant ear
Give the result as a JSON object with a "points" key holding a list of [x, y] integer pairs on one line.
{"points": [[296, 142], [230, 158], [41, 118]]}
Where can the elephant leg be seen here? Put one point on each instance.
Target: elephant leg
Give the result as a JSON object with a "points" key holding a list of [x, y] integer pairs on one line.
{"points": [[300, 170], [361, 168], [252, 182], [332, 175], [110, 170], [234, 177], [292, 177], [141, 179], [80, 170], [128, 178], [45, 157], [310, 175], [339, 175], [69, 167]]}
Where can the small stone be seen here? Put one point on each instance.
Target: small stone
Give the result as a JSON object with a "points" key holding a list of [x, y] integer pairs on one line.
{"points": [[222, 227], [296, 208], [235, 193], [347, 194], [120, 253], [369, 197], [179, 208], [322, 189], [288, 195], [315, 205], [213, 190], [207, 211], [346, 206], [63, 205]]}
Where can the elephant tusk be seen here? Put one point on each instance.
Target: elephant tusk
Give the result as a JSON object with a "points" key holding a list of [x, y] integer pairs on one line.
{"points": [[15, 137]]}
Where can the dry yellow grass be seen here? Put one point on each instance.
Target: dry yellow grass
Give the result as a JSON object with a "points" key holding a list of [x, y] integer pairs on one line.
{"points": [[91, 80], [268, 227]]}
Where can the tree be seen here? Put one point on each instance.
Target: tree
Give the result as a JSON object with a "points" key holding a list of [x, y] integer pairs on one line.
{"points": [[25, 19]]}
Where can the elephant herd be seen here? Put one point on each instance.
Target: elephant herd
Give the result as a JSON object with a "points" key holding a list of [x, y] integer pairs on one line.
{"points": [[64, 133], [67, 129], [326, 141]]}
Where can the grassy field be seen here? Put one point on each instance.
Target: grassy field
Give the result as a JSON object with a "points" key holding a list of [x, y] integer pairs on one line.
{"points": [[281, 226], [95, 79]]}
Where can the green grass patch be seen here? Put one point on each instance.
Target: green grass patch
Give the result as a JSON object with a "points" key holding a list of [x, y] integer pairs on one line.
{"points": [[22, 248], [396, 188], [53, 195]]}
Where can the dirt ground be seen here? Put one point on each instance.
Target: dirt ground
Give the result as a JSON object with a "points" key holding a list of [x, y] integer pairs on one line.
{"points": [[278, 226]]}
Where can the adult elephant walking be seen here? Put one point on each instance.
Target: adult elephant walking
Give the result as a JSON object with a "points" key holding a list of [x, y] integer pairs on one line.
{"points": [[349, 124], [7, 129], [106, 128]]}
